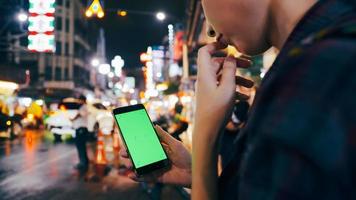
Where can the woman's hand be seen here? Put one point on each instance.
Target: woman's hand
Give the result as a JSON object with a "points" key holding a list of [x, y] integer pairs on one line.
{"points": [[215, 98], [180, 172], [216, 88]]}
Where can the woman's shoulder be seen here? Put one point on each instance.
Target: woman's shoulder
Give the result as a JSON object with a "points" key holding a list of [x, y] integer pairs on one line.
{"points": [[335, 45]]}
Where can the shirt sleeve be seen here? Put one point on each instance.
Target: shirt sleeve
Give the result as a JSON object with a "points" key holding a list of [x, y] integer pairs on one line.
{"points": [[83, 111], [304, 145]]}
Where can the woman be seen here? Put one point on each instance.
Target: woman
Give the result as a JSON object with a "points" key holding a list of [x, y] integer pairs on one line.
{"points": [[299, 142]]}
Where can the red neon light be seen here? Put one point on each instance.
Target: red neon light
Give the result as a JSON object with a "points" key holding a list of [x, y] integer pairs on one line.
{"points": [[49, 14], [34, 14]]}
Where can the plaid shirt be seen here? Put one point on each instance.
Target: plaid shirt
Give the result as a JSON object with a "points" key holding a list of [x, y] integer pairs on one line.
{"points": [[300, 140]]}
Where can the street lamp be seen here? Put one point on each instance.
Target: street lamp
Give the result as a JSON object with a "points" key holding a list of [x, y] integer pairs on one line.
{"points": [[118, 63], [122, 13], [95, 8], [22, 16], [161, 16], [104, 69], [111, 74], [95, 62]]}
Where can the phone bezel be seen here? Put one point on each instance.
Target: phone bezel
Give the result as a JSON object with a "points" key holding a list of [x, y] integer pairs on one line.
{"points": [[147, 168]]}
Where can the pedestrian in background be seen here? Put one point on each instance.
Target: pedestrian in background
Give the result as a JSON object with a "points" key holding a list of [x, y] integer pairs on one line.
{"points": [[180, 124], [80, 124]]}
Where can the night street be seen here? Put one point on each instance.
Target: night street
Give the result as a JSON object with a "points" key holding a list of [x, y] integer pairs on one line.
{"points": [[33, 167]]}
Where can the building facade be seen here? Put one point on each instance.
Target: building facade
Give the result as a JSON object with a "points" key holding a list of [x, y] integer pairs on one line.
{"points": [[68, 68]]}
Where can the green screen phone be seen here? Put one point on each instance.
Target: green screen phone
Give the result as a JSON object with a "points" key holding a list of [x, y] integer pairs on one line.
{"points": [[141, 139]]}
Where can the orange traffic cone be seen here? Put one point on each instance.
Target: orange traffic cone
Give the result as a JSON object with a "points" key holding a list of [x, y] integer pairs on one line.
{"points": [[101, 167], [116, 149], [116, 142], [100, 156]]}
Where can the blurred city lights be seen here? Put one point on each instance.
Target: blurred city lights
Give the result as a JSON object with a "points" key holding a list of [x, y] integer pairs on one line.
{"points": [[111, 75], [186, 99], [41, 37], [88, 13], [8, 122], [10, 85], [144, 57], [133, 102], [106, 103], [26, 101], [39, 102], [104, 69], [95, 62], [162, 87], [101, 14], [118, 63], [95, 8], [22, 17], [161, 16], [122, 13]]}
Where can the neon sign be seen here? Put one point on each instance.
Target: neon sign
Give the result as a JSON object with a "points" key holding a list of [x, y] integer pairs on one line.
{"points": [[41, 26]]}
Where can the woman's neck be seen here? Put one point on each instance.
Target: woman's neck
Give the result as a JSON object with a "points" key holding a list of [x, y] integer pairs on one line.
{"points": [[284, 16]]}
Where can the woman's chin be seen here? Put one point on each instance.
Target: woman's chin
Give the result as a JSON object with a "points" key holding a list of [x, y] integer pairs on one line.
{"points": [[249, 49]]}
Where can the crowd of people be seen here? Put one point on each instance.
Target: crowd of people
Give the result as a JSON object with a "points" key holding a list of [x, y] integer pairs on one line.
{"points": [[298, 139]]}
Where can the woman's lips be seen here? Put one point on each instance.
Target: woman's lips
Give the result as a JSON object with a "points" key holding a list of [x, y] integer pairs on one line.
{"points": [[222, 40], [225, 42]]}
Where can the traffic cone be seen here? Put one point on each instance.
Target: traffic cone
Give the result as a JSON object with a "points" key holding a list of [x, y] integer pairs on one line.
{"points": [[116, 149], [116, 142], [100, 155]]}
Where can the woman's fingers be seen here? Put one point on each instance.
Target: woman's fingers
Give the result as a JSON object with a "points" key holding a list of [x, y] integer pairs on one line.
{"points": [[152, 178], [240, 81], [244, 82], [125, 158], [123, 153], [228, 73], [243, 63], [240, 62], [167, 149], [164, 136], [206, 52], [133, 176], [241, 97], [205, 63], [126, 162]]}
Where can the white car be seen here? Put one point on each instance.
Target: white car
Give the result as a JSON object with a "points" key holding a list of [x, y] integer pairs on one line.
{"points": [[99, 118]]}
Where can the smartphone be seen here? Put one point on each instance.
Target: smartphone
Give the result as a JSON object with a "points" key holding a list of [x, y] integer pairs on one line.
{"points": [[141, 140]]}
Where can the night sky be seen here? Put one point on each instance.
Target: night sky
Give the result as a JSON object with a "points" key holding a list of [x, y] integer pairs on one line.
{"points": [[129, 36]]}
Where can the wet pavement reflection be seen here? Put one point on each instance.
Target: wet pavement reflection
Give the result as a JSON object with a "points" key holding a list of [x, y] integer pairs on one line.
{"points": [[32, 167]]}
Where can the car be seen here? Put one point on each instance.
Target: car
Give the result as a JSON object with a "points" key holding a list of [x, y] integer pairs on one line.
{"points": [[10, 127], [60, 121]]}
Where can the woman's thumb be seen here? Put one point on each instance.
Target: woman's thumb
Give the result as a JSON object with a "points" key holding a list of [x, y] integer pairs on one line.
{"points": [[228, 73], [164, 136]]}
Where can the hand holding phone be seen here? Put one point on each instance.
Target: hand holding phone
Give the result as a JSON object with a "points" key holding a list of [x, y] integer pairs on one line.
{"points": [[140, 139], [180, 173]]}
